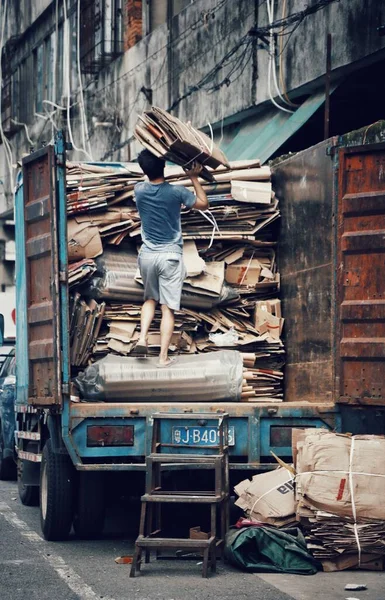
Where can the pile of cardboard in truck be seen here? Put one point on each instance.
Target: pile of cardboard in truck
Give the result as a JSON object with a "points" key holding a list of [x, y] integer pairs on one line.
{"points": [[230, 296], [340, 490]]}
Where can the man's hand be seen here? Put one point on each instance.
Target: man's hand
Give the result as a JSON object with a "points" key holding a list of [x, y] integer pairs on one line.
{"points": [[195, 169], [201, 202]]}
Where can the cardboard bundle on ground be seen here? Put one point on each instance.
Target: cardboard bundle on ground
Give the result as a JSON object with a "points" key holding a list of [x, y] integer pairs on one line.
{"points": [[268, 497], [340, 486]]}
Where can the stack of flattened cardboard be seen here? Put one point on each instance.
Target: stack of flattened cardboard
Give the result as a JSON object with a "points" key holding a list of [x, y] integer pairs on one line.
{"points": [[340, 490], [92, 188], [80, 272], [85, 322], [230, 295], [122, 325]]}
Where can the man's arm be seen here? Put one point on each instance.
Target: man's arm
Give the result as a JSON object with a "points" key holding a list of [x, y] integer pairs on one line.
{"points": [[201, 202]]}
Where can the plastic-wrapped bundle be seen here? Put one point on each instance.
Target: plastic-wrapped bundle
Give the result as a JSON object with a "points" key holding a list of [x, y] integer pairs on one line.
{"points": [[115, 278], [213, 377]]}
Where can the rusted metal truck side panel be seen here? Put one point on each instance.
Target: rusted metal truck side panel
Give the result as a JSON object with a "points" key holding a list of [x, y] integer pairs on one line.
{"points": [[331, 259], [361, 282], [304, 186], [42, 278]]}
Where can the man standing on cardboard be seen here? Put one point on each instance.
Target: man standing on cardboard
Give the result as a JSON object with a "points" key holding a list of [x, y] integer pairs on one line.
{"points": [[161, 255]]}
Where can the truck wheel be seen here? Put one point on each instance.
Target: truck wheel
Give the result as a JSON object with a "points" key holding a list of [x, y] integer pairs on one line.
{"points": [[28, 494], [90, 505], [7, 465], [56, 494]]}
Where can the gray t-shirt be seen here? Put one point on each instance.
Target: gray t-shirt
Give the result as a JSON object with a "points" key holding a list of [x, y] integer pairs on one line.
{"points": [[159, 206]]}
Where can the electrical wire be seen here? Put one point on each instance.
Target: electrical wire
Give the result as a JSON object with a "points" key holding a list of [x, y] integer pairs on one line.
{"points": [[228, 58], [281, 49], [86, 139], [6, 143], [176, 72], [272, 65], [24, 125], [54, 65], [67, 75], [176, 39], [223, 118], [297, 17]]}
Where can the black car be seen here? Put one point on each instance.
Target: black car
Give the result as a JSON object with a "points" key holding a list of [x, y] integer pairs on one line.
{"points": [[7, 412]]}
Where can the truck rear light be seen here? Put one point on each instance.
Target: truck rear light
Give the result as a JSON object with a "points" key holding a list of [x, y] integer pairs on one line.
{"points": [[110, 435]]}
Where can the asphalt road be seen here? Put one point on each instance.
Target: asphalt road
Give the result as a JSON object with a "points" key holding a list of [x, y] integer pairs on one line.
{"points": [[38, 570]]}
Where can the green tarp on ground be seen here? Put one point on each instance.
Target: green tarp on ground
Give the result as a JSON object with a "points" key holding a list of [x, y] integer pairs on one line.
{"points": [[269, 550]]}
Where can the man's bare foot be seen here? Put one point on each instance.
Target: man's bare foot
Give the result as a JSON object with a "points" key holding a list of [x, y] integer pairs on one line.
{"points": [[140, 348], [163, 363]]}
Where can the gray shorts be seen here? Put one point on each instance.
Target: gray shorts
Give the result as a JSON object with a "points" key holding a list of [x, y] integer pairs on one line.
{"points": [[163, 274]]}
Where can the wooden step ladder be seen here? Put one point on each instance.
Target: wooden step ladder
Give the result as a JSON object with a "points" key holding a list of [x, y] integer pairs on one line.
{"points": [[158, 461]]}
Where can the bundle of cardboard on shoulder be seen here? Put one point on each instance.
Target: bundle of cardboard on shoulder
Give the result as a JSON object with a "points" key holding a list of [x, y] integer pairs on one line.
{"points": [[268, 497], [169, 138], [340, 486]]}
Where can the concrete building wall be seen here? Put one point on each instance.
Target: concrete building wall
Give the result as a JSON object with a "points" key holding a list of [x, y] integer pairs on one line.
{"points": [[173, 59], [21, 14]]}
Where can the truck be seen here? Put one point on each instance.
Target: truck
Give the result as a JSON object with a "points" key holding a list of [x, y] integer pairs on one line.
{"points": [[330, 254]]}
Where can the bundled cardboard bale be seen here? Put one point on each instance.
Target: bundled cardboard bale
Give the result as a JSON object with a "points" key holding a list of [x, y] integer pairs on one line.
{"points": [[268, 497], [340, 474], [340, 486]]}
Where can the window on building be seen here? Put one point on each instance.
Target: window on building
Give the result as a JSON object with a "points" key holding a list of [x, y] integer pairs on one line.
{"points": [[160, 11], [38, 78], [6, 103], [101, 38], [133, 24], [6, 93], [178, 5], [73, 50], [27, 90], [16, 94], [59, 64], [48, 69]]}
